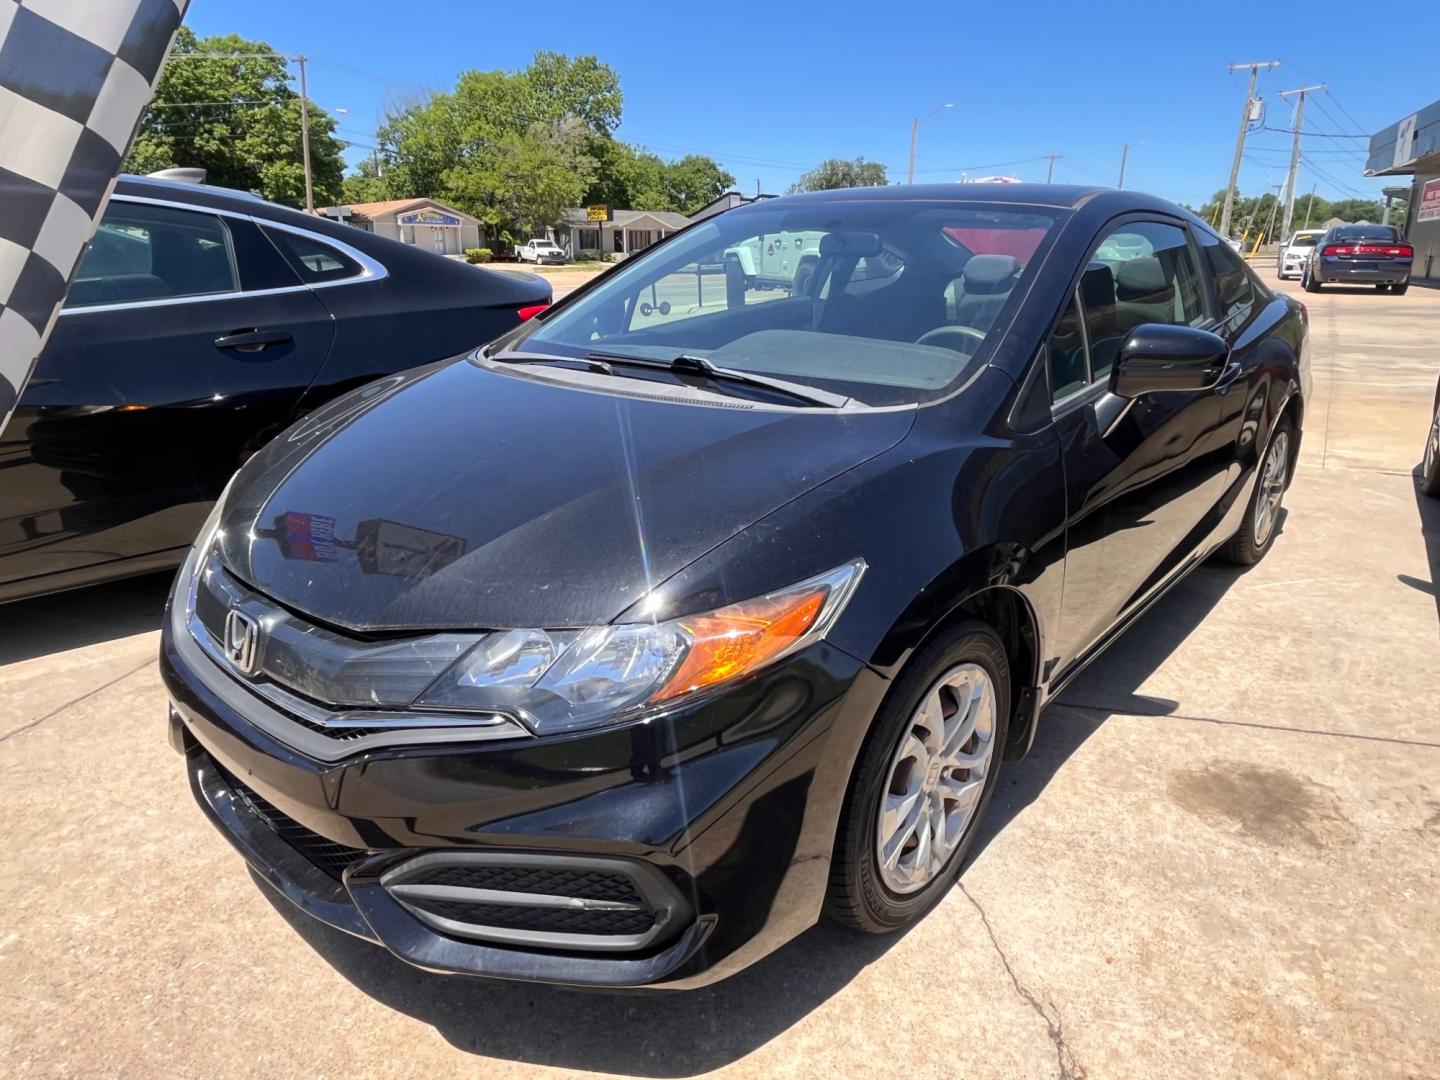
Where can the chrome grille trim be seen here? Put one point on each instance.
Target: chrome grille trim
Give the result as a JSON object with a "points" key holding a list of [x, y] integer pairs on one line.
{"points": [[307, 727]]}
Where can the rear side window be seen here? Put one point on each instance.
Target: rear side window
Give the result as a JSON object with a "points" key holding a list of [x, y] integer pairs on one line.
{"points": [[313, 260], [142, 252]]}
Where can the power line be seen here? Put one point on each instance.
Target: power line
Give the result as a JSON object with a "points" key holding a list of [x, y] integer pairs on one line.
{"points": [[1331, 95], [1321, 134]]}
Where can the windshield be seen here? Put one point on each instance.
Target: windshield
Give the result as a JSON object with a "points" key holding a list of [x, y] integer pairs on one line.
{"points": [[1304, 239], [1365, 232], [886, 302]]}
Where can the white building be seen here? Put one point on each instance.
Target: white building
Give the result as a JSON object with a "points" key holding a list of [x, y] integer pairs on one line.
{"points": [[423, 222], [629, 231]]}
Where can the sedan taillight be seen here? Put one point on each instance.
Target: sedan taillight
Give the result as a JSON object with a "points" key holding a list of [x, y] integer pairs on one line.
{"points": [[1394, 251], [529, 311]]}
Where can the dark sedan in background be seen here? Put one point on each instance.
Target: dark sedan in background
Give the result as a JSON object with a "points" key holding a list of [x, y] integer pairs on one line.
{"points": [[616, 652], [1360, 255], [200, 323]]}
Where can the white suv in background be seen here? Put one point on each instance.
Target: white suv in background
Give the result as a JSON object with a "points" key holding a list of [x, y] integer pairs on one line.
{"points": [[1296, 251]]}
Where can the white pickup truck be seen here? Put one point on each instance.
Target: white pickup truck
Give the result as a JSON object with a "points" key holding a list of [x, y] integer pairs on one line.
{"points": [[783, 260], [540, 251]]}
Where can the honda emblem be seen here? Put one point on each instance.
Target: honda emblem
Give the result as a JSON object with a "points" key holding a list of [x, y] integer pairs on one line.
{"points": [[242, 640]]}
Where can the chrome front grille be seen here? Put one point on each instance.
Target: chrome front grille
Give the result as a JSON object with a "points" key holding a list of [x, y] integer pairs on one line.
{"points": [[351, 692]]}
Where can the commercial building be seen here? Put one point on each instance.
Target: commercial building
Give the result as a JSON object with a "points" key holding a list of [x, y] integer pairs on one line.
{"points": [[422, 222], [626, 232], [1411, 147]]}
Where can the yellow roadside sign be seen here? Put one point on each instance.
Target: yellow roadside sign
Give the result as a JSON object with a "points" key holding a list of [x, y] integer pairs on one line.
{"points": [[598, 212]]}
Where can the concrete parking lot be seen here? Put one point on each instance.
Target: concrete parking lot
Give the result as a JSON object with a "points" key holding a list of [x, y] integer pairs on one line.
{"points": [[1221, 859]]}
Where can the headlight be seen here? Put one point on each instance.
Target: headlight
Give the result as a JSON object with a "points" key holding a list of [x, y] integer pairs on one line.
{"points": [[563, 680]]}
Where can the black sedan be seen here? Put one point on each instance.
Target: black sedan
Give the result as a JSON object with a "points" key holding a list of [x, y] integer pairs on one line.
{"points": [[618, 651], [1360, 255], [200, 323]]}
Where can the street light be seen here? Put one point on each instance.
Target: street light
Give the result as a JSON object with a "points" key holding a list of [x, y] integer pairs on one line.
{"points": [[1124, 155], [915, 131]]}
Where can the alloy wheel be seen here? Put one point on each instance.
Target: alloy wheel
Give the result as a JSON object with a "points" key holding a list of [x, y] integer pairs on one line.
{"points": [[936, 778], [1272, 487]]}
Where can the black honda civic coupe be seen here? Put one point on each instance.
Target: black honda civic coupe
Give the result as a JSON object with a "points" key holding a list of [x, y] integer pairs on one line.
{"points": [[617, 652], [200, 323]]}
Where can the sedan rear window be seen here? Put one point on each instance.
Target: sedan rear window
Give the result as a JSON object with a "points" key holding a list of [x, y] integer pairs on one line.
{"points": [[885, 301], [1365, 232]]}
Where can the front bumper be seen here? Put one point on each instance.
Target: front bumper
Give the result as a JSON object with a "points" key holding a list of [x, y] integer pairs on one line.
{"points": [[732, 803]]}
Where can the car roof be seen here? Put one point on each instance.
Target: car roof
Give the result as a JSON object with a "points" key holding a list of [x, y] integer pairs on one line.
{"points": [[240, 202], [1072, 197]]}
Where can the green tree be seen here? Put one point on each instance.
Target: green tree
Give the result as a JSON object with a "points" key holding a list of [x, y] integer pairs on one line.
{"points": [[365, 184], [515, 148], [634, 178], [839, 173], [239, 120]]}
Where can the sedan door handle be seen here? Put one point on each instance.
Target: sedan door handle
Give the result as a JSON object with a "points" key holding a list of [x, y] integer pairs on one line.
{"points": [[1228, 376], [252, 341]]}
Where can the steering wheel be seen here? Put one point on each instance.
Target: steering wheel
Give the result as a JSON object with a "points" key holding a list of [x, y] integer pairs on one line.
{"points": [[963, 339]]}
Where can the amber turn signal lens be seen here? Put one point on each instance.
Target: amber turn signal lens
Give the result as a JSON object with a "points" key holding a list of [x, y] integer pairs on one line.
{"points": [[737, 639]]}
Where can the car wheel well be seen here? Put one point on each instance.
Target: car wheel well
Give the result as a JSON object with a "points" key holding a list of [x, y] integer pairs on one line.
{"points": [[1294, 411], [1007, 612]]}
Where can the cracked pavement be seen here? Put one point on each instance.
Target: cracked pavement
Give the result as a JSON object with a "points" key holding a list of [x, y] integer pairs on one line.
{"points": [[1219, 860]]}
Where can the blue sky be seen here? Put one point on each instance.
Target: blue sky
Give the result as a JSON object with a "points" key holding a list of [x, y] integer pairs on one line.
{"points": [[771, 89]]}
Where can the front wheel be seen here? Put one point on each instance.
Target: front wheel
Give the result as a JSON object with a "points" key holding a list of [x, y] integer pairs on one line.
{"points": [[1248, 546], [922, 781], [1430, 467]]}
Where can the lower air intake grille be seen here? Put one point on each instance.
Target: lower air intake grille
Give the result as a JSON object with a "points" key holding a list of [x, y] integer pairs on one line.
{"points": [[571, 903], [327, 855]]}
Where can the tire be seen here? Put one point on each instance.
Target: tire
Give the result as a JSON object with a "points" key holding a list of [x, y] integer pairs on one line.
{"points": [[863, 894], [1257, 534], [804, 275], [1400, 290], [1430, 464], [1308, 282]]}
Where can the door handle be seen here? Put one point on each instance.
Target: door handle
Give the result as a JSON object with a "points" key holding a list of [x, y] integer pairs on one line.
{"points": [[1227, 376], [252, 341]]}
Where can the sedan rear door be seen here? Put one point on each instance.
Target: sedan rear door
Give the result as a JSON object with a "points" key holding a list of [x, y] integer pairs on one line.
{"points": [[186, 340]]}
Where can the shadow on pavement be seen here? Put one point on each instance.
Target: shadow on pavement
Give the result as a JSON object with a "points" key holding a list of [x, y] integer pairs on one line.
{"points": [[1429, 508], [654, 1033], [80, 617], [1110, 686]]}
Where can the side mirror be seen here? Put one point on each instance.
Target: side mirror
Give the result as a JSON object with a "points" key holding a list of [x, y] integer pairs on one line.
{"points": [[1156, 357]]}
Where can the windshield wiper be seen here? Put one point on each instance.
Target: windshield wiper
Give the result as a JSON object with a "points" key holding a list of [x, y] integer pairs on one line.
{"points": [[699, 367]]}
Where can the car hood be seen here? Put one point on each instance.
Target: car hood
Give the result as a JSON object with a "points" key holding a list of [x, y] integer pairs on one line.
{"points": [[458, 497]]}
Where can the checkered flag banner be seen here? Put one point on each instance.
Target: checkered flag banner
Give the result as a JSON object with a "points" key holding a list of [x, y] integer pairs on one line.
{"points": [[75, 76]]}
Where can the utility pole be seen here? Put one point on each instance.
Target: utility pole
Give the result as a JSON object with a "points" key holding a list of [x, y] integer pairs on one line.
{"points": [[1274, 206], [1295, 152], [1052, 158], [1310, 206], [305, 136], [1240, 139], [915, 135], [1124, 156]]}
